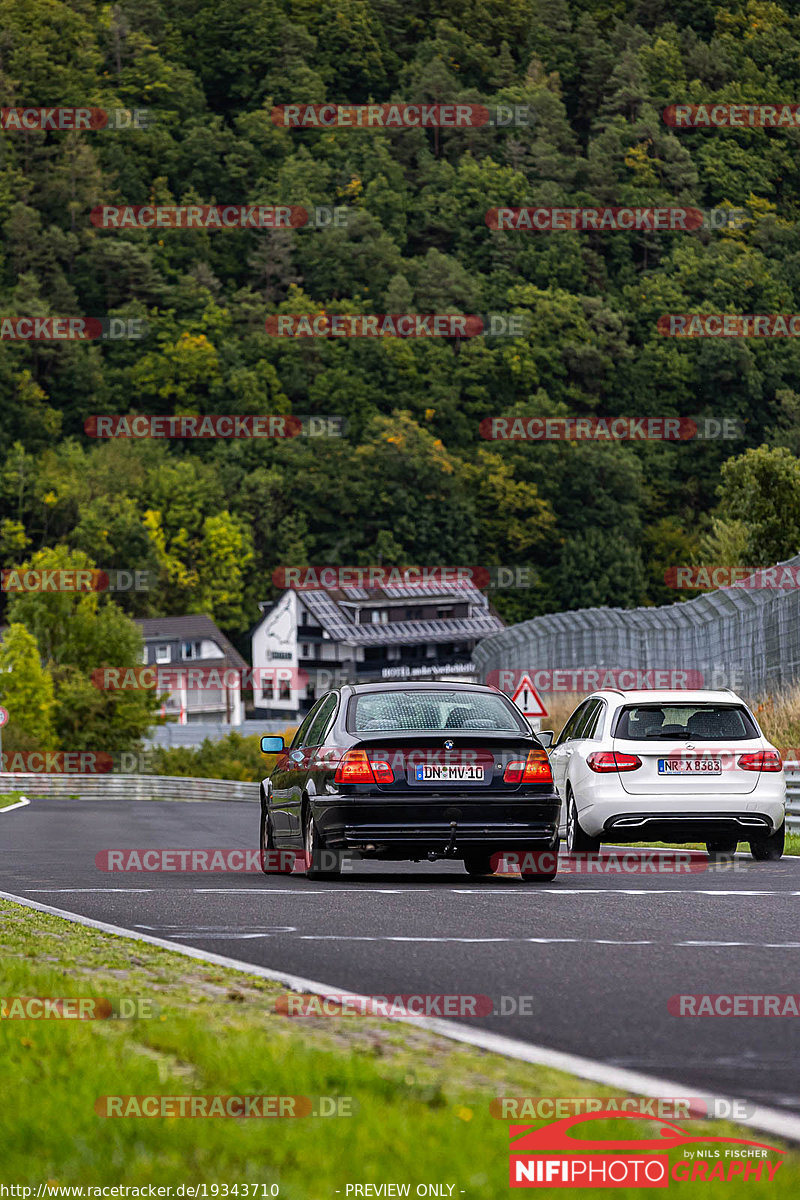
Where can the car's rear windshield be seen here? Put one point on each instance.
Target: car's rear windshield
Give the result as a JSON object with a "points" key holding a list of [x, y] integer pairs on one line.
{"points": [[375, 712], [693, 722]]}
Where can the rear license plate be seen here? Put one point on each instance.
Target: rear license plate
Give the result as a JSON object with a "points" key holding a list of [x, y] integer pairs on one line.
{"points": [[429, 773], [690, 766]]}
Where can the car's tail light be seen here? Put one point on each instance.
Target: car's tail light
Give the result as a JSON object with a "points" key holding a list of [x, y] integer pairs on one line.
{"points": [[534, 769], [356, 767], [604, 761], [761, 760]]}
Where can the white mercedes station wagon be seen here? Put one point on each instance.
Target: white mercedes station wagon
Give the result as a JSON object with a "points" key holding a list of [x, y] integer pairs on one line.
{"points": [[670, 766]]}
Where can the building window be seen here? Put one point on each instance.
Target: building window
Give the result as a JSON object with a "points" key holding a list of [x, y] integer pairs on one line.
{"points": [[162, 654], [379, 616], [268, 690], [191, 650], [443, 613], [306, 652], [285, 692], [144, 654]]}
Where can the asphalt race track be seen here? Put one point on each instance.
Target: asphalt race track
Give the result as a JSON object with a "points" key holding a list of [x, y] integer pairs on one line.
{"points": [[600, 955]]}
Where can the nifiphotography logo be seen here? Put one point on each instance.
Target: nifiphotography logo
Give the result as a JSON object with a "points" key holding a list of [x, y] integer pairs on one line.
{"points": [[553, 1156]]}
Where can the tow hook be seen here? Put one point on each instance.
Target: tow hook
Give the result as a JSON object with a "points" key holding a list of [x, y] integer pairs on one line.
{"points": [[449, 849]]}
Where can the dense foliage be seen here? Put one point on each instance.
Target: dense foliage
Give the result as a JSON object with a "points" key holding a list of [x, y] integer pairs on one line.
{"points": [[411, 481]]}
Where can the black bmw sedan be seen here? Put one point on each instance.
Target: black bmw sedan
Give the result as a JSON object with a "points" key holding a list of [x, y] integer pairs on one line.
{"points": [[412, 771]]}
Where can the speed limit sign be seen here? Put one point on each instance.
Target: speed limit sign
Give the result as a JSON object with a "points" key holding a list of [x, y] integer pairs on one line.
{"points": [[3, 716]]}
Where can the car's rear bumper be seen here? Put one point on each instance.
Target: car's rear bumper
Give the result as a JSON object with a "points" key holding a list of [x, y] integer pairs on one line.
{"points": [[398, 829], [688, 826]]}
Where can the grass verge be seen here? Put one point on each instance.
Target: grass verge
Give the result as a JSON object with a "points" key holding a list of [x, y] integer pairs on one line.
{"points": [[421, 1103], [8, 798]]}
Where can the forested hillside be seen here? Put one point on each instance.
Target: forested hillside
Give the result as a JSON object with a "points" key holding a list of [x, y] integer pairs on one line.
{"points": [[412, 480]]}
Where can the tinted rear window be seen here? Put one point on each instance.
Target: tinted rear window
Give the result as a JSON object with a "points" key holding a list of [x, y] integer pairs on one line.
{"points": [[375, 712], [692, 722]]}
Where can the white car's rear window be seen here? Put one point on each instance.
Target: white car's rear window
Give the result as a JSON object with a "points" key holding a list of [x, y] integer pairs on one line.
{"points": [[694, 722]]}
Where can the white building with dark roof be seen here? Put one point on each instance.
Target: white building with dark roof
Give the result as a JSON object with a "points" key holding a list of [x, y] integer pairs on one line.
{"points": [[315, 639], [178, 644]]}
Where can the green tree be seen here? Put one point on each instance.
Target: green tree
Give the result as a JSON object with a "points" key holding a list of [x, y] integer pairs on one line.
{"points": [[26, 690]]}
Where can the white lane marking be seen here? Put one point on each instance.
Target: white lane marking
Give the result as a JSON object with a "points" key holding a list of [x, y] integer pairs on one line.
{"points": [[346, 937], [260, 891], [23, 800], [520, 893], [771, 1120]]}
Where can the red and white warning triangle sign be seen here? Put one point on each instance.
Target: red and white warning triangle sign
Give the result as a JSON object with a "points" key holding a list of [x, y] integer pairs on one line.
{"points": [[527, 699]]}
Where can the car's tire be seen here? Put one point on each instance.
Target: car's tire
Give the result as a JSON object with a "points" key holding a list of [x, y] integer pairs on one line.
{"points": [[266, 837], [477, 863], [769, 849], [721, 847], [578, 842], [320, 863], [530, 876]]}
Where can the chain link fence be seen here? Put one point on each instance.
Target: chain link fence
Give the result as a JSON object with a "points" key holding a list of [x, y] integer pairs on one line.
{"points": [[741, 637]]}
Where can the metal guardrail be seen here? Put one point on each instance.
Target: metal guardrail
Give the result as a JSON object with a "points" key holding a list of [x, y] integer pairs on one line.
{"points": [[128, 787], [173, 787], [792, 772]]}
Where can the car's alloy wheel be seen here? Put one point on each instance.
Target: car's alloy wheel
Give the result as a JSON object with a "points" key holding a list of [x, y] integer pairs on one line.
{"points": [[578, 842], [478, 864], [769, 849]]}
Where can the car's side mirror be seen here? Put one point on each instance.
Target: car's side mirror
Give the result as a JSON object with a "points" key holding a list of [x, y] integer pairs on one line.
{"points": [[271, 745], [546, 736]]}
